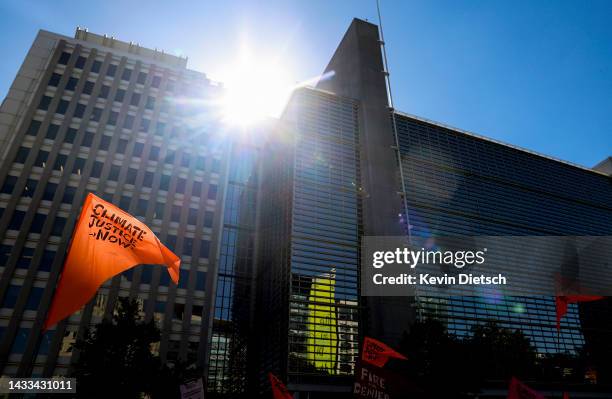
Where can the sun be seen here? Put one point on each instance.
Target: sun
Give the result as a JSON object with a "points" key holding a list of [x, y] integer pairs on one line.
{"points": [[255, 88]]}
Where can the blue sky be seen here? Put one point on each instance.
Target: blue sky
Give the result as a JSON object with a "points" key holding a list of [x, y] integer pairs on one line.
{"points": [[537, 74]]}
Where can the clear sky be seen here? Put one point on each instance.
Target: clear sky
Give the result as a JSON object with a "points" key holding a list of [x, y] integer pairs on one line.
{"points": [[537, 74]]}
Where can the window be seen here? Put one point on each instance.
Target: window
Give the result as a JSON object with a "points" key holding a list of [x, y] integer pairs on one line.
{"points": [[138, 147], [192, 216], [49, 192], [16, 220], [62, 106], [170, 157], [128, 122], [212, 191], [79, 110], [200, 281], [105, 142], [180, 185], [44, 103], [159, 128], [26, 254], [88, 87], [80, 62], [9, 184], [150, 102], [114, 173], [131, 176], [88, 139], [142, 78], [200, 163], [52, 131], [79, 165], [121, 146], [127, 74], [196, 190], [159, 211], [41, 158], [124, 203], [183, 278], [185, 159], [70, 135], [175, 213], [47, 261], [142, 207], [146, 275], [144, 125], [55, 79], [96, 170], [71, 84], [111, 70], [135, 100], [187, 246], [60, 162], [112, 118], [58, 226], [22, 155], [104, 90], [156, 81], [171, 242], [164, 183], [154, 153], [204, 249], [34, 298], [148, 179], [208, 218], [33, 128], [21, 339], [63, 59], [69, 194], [95, 67], [37, 224], [119, 95], [96, 114], [29, 188]]}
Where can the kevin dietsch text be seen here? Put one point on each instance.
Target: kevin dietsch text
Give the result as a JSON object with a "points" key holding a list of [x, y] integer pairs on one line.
{"points": [[445, 280]]}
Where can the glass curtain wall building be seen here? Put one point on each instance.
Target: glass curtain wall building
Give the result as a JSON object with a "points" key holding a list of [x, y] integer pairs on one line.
{"points": [[309, 238], [95, 114]]}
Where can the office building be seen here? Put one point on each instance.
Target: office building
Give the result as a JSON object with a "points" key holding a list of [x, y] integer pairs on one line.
{"points": [[95, 114]]}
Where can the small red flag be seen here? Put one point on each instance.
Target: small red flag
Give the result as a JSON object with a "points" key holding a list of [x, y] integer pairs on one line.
{"points": [[566, 395], [106, 241], [377, 353], [279, 390], [563, 300], [518, 390]]}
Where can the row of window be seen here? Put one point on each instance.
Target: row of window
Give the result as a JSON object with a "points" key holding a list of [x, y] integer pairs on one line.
{"points": [[111, 70]]}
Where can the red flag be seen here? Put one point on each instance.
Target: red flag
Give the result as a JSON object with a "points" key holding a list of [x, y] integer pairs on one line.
{"points": [[566, 395], [279, 390], [563, 300], [377, 353], [518, 390], [106, 241]]}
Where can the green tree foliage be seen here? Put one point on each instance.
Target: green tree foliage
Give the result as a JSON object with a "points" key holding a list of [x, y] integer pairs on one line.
{"points": [[115, 359]]}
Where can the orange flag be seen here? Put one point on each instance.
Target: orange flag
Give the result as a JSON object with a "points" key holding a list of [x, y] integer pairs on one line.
{"points": [[105, 242], [279, 390], [563, 300], [518, 390], [377, 353]]}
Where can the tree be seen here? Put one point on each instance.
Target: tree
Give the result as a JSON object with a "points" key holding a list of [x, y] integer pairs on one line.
{"points": [[116, 359]]}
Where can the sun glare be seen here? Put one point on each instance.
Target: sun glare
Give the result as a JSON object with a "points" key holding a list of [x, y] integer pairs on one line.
{"points": [[256, 89]]}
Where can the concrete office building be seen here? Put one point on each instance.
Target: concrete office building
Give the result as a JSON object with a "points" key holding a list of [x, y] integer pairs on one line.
{"points": [[95, 114]]}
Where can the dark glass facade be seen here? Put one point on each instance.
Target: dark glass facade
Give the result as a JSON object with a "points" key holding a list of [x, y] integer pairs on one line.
{"points": [[460, 184], [310, 229]]}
